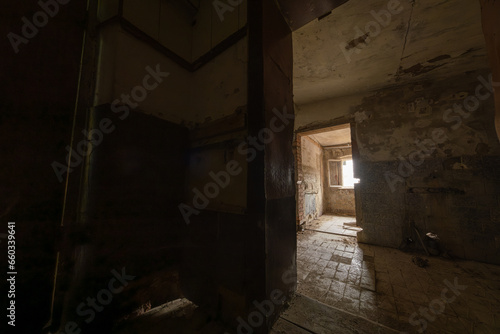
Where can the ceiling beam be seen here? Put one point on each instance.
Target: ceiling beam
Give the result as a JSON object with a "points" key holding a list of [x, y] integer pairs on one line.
{"points": [[300, 12]]}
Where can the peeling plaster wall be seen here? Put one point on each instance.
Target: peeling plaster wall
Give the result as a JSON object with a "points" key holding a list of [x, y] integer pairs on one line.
{"points": [[336, 200], [451, 186], [312, 185]]}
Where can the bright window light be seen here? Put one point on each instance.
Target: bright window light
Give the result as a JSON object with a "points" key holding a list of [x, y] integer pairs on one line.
{"points": [[348, 179]]}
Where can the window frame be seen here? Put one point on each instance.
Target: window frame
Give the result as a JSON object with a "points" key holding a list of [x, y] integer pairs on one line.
{"points": [[339, 162]]}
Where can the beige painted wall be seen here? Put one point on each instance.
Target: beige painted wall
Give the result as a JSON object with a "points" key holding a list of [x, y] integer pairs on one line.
{"points": [[122, 66], [214, 91], [204, 164], [178, 28], [210, 30]]}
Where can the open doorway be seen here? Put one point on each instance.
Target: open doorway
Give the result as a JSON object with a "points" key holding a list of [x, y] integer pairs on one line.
{"points": [[325, 181], [331, 266]]}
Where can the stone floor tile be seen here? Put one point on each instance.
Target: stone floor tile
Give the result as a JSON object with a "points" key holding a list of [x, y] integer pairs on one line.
{"points": [[348, 255], [368, 273], [454, 325], [354, 279], [419, 298], [322, 264], [383, 277], [332, 265], [467, 324], [386, 303], [482, 328], [413, 285], [326, 256], [338, 287], [400, 286], [332, 298], [404, 307], [368, 285], [349, 249], [355, 271], [396, 278], [341, 276], [383, 288], [349, 305], [369, 311], [389, 319], [328, 273], [401, 293], [312, 291], [343, 267], [353, 292]]}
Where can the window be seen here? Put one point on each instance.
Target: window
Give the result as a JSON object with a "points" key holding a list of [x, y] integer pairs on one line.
{"points": [[335, 173], [347, 174], [341, 173]]}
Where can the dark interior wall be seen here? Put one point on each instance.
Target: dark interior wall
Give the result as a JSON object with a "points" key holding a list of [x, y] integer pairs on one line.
{"points": [[137, 176], [223, 262], [336, 200], [279, 165], [490, 12], [37, 97], [422, 164]]}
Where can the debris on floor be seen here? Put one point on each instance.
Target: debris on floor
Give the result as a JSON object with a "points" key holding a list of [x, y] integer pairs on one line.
{"points": [[180, 316], [432, 242], [338, 225], [422, 263]]}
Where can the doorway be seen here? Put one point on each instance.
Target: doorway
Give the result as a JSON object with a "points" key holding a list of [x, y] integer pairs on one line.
{"points": [[329, 259], [326, 181]]}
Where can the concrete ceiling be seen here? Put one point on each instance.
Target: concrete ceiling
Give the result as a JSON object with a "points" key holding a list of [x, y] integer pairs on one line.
{"points": [[335, 137], [428, 39]]}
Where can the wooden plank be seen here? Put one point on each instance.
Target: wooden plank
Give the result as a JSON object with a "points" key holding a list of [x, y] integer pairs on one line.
{"points": [[300, 12], [284, 327], [319, 318]]}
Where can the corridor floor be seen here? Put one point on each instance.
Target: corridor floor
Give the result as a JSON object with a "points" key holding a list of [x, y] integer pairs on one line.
{"points": [[344, 225], [383, 285]]}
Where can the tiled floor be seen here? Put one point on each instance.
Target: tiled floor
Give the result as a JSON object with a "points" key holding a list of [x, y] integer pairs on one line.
{"points": [[344, 225], [385, 286]]}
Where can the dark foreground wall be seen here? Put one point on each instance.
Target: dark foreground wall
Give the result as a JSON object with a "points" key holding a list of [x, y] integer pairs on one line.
{"points": [[429, 158], [37, 97], [131, 222], [279, 165]]}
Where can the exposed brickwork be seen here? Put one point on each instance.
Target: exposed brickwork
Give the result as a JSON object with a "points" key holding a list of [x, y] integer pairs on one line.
{"points": [[297, 149]]}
